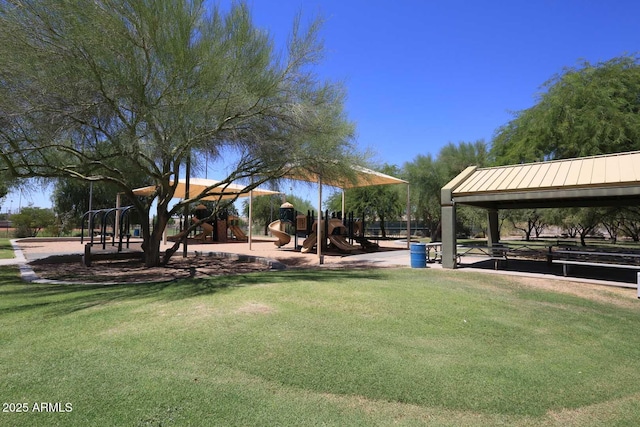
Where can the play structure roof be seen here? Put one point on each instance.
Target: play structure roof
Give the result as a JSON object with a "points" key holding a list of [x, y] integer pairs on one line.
{"points": [[214, 190], [363, 178], [606, 180]]}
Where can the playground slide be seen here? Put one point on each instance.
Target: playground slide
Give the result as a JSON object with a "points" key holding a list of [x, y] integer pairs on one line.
{"points": [[341, 243], [276, 231], [207, 230], [237, 232], [309, 243]]}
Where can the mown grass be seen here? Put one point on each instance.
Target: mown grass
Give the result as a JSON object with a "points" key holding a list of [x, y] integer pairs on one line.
{"points": [[363, 347], [6, 250]]}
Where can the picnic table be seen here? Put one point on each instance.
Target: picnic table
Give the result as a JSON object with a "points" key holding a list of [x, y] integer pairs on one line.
{"points": [[496, 252], [612, 259], [436, 248]]}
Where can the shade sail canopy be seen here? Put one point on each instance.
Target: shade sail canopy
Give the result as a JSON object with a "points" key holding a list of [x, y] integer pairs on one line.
{"points": [[213, 190], [363, 178]]}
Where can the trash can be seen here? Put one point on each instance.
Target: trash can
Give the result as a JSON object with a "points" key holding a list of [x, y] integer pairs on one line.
{"points": [[418, 255], [136, 232]]}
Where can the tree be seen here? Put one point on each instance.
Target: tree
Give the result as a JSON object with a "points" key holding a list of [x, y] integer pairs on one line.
{"points": [[528, 221], [630, 222], [6, 183], [586, 110], [582, 221], [30, 221], [107, 90], [426, 179], [428, 175], [71, 198]]}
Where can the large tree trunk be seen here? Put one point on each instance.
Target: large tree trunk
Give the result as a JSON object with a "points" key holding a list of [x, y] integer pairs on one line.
{"points": [[383, 230], [436, 232], [153, 238], [583, 235]]}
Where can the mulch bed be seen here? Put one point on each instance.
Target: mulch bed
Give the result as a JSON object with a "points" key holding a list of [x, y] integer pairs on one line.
{"points": [[134, 271]]}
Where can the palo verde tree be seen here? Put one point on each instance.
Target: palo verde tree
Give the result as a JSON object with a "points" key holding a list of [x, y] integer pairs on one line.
{"points": [[106, 90], [428, 175], [587, 110]]}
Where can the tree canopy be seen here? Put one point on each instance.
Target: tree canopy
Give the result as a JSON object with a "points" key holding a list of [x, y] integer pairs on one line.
{"points": [[586, 110], [428, 175], [110, 89]]}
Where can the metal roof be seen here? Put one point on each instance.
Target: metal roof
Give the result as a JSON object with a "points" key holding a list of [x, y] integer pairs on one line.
{"points": [[612, 179]]}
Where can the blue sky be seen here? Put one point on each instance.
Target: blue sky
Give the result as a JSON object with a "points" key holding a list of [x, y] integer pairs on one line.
{"points": [[421, 74]]}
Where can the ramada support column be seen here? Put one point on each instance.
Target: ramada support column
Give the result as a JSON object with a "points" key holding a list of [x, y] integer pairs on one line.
{"points": [[448, 206], [494, 233], [449, 252]]}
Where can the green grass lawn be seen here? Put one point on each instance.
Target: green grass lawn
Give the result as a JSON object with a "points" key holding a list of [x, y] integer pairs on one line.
{"points": [[6, 250], [363, 347]]}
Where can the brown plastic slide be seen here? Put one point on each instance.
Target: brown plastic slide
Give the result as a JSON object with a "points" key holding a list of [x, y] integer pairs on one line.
{"points": [[309, 243], [276, 231], [237, 232], [341, 243], [207, 230]]}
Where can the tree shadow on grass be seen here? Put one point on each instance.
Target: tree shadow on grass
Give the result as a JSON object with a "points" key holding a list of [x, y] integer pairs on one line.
{"points": [[60, 299]]}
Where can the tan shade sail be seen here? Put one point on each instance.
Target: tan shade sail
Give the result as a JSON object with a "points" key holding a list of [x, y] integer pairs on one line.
{"points": [[363, 178], [215, 190]]}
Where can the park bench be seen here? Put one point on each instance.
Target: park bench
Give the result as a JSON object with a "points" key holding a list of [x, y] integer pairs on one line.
{"points": [[594, 259]]}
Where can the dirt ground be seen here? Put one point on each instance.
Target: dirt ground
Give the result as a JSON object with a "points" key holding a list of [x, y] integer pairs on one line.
{"points": [[134, 271]]}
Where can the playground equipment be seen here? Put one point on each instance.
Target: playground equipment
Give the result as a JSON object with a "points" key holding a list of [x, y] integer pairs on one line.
{"points": [[335, 231], [282, 237], [234, 228], [277, 227], [215, 230], [113, 222]]}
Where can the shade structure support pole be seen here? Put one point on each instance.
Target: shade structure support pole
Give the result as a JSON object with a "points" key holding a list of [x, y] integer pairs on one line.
{"points": [[186, 207], [250, 217], [408, 217], [318, 227], [449, 254], [494, 232]]}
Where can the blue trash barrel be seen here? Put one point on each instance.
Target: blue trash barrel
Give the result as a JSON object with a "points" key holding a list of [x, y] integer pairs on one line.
{"points": [[418, 255]]}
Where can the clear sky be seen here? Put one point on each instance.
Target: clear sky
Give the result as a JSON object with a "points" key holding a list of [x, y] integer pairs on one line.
{"points": [[421, 74]]}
